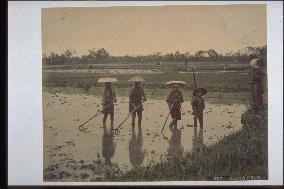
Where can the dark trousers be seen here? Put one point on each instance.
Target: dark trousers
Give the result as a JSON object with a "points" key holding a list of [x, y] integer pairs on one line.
{"points": [[139, 115], [198, 117]]}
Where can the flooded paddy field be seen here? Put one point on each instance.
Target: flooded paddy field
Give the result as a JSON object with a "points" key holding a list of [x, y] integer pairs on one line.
{"points": [[73, 155]]}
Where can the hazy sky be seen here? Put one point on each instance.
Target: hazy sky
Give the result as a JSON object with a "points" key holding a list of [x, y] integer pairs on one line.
{"points": [[144, 30]]}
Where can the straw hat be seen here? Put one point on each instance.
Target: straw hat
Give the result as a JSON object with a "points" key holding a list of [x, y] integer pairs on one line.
{"points": [[254, 63], [136, 79], [176, 83], [107, 80], [202, 90]]}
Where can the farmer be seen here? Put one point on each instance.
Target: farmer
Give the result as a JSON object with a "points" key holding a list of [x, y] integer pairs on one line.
{"points": [[109, 98], [136, 98], [198, 106], [174, 100], [256, 76]]}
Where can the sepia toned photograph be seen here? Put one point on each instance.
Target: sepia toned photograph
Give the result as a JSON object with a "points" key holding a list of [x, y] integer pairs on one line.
{"points": [[155, 93]]}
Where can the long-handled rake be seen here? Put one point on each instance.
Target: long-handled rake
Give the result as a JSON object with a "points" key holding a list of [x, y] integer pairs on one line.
{"points": [[167, 120], [128, 115], [81, 128]]}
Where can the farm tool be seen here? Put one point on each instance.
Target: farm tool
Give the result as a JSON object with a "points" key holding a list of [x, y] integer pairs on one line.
{"points": [[167, 120], [128, 115], [81, 128], [195, 86]]}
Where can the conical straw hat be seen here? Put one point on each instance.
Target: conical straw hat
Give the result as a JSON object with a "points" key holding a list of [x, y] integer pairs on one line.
{"points": [[253, 63], [136, 79], [107, 80], [179, 83]]}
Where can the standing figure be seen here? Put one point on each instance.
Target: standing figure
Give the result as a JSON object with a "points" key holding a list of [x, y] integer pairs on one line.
{"points": [[256, 76], [174, 100], [136, 98], [109, 98], [198, 106]]}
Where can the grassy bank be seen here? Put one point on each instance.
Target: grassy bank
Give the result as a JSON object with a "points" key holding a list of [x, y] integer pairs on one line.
{"points": [[239, 156]]}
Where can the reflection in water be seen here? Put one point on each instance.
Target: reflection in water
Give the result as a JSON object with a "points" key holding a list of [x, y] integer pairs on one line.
{"points": [[197, 140], [108, 146], [136, 154], [175, 149]]}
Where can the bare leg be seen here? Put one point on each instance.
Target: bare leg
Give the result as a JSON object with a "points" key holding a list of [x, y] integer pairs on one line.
{"points": [[171, 125], [195, 120], [105, 118], [133, 119], [200, 118], [175, 123], [111, 118], [139, 119]]}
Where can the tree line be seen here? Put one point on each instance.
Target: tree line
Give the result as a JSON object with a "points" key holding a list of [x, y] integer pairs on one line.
{"points": [[103, 56]]}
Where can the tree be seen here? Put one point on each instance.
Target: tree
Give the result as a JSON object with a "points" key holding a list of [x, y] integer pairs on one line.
{"points": [[68, 54], [92, 53], [200, 53], [102, 53], [212, 54]]}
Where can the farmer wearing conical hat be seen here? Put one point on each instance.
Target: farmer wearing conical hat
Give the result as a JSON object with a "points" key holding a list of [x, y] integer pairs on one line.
{"points": [[136, 97], [198, 106], [256, 76], [109, 98], [174, 100]]}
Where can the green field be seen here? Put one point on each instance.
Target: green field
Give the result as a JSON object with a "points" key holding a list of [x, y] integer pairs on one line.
{"points": [[233, 82], [223, 87]]}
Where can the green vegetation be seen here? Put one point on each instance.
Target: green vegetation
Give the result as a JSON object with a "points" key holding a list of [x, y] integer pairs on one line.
{"points": [[243, 153], [222, 82], [103, 56]]}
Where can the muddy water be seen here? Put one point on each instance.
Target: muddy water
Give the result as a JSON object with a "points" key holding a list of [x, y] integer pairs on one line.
{"points": [[72, 155], [109, 71]]}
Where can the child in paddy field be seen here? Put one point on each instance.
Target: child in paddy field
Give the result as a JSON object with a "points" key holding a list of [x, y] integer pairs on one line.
{"points": [[198, 106]]}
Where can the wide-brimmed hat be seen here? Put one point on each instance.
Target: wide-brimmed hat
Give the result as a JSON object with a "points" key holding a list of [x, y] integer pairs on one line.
{"points": [[136, 79], [254, 63], [107, 80], [203, 91], [176, 83]]}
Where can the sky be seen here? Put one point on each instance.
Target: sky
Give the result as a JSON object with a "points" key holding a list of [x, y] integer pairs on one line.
{"points": [[146, 30]]}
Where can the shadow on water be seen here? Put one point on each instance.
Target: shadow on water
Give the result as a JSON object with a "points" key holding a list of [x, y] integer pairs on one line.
{"points": [[108, 148], [175, 149], [136, 152], [197, 140]]}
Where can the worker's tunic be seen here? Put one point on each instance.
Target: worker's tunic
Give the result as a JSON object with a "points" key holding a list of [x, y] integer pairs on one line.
{"points": [[174, 100], [136, 96], [108, 100]]}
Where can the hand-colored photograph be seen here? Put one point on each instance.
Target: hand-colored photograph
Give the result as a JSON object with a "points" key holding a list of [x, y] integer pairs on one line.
{"points": [[155, 93]]}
